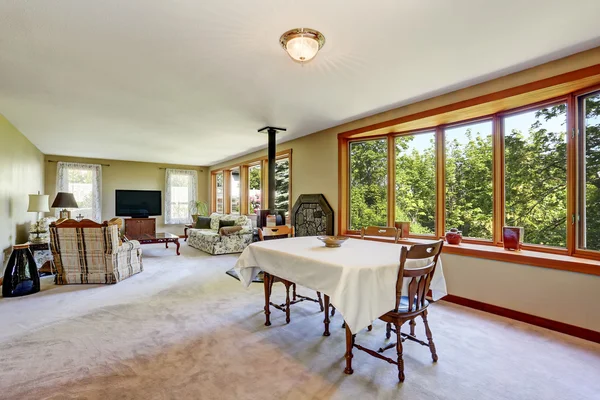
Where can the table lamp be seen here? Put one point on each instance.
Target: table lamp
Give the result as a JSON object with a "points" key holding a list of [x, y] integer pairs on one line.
{"points": [[38, 203], [65, 200]]}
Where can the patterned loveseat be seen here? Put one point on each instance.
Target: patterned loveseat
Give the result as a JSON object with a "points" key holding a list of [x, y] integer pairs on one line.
{"points": [[210, 241], [88, 252]]}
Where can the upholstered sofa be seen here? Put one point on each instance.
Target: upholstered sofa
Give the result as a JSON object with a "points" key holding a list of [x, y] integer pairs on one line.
{"points": [[212, 242], [88, 252]]}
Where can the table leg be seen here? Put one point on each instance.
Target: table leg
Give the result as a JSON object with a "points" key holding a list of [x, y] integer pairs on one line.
{"points": [[326, 320], [185, 233], [266, 280], [348, 356], [167, 245], [177, 244]]}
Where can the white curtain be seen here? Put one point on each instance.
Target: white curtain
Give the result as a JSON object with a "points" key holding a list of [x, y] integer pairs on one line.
{"points": [[181, 193], [85, 182]]}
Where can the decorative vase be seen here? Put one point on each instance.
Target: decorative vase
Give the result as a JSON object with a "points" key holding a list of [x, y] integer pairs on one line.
{"points": [[453, 236], [21, 275], [512, 237]]}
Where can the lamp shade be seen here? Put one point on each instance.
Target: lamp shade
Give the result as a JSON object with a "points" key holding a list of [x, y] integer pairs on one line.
{"points": [[64, 200], [38, 203]]}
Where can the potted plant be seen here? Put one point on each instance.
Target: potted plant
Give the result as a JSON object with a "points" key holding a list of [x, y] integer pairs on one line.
{"points": [[198, 209]]}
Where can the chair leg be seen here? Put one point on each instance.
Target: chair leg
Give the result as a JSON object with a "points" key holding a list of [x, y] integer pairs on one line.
{"points": [[332, 310], [388, 330], [294, 287], [399, 351], [412, 324], [434, 355], [320, 301], [370, 328], [266, 278], [287, 304]]}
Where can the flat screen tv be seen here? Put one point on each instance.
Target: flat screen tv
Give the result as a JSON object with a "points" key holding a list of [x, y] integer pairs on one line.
{"points": [[138, 203]]}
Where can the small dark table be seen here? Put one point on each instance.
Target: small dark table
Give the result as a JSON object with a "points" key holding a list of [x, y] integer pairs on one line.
{"points": [[160, 237], [41, 251]]}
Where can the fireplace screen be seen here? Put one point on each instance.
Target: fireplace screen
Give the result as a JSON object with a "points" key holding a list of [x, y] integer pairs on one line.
{"points": [[312, 216]]}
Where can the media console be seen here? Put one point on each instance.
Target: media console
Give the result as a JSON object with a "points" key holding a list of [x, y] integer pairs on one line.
{"points": [[140, 226]]}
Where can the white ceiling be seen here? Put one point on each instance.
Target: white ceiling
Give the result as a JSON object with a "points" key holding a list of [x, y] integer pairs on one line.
{"points": [[190, 81]]}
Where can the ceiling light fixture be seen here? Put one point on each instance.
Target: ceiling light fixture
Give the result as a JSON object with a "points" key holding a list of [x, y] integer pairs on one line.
{"points": [[302, 44]]}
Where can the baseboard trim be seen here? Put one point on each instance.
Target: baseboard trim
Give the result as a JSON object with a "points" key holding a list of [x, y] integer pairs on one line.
{"points": [[572, 330]]}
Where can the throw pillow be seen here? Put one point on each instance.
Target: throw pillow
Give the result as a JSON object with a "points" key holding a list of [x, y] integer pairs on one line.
{"points": [[203, 223], [229, 230], [225, 223]]}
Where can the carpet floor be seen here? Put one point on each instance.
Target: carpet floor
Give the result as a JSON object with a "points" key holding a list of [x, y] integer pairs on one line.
{"points": [[183, 329]]}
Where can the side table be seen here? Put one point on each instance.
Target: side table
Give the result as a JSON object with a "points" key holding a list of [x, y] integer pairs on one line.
{"points": [[43, 257]]}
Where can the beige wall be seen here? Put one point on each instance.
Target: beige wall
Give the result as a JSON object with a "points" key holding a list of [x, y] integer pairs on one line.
{"points": [[128, 175], [21, 173], [315, 170]]}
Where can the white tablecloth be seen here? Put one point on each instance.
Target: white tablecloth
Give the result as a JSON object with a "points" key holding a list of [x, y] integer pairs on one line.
{"points": [[359, 277]]}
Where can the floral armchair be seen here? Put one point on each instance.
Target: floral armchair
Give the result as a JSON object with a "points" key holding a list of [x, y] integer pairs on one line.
{"points": [[213, 242], [88, 252]]}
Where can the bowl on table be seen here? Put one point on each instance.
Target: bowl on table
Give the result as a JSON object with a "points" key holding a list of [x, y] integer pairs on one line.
{"points": [[332, 241]]}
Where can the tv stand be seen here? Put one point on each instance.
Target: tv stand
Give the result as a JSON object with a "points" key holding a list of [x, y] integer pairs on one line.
{"points": [[140, 226]]}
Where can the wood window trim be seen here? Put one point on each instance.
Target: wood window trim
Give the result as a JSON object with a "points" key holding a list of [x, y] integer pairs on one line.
{"points": [[213, 195], [562, 88], [226, 170], [497, 253]]}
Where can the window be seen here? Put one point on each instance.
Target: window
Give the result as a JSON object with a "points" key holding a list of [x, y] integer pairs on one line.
{"points": [[514, 157], [254, 191], [415, 182], [235, 190], [220, 202], [368, 183], [469, 187], [589, 172], [535, 158], [245, 186], [85, 182], [181, 193], [282, 184]]}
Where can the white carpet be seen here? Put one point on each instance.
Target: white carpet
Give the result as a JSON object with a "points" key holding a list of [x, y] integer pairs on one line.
{"points": [[182, 329]]}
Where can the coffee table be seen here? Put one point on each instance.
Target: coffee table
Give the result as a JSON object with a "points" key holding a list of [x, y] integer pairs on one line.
{"points": [[159, 237]]}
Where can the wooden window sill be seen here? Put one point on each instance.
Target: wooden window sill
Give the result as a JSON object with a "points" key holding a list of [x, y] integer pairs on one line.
{"points": [[526, 257]]}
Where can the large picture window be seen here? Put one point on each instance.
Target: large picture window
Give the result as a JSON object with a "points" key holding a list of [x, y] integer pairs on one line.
{"points": [[282, 184], [235, 190], [85, 182], [469, 188], [254, 189], [368, 183], [589, 172], [219, 195], [181, 194], [240, 188], [527, 158], [535, 148], [415, 181]]}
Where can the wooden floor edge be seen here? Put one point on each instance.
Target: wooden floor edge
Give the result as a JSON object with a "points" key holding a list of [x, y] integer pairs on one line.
{"points": [[572, 330]]}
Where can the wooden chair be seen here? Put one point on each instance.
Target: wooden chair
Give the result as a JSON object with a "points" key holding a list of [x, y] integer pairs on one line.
{"points": [[411, 306], [379, 231], [279, 232]]}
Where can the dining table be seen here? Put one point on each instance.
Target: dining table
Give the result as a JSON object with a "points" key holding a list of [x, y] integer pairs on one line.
{"points": [[358, 278]]}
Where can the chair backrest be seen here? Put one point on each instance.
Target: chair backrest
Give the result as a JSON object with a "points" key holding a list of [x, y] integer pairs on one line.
{"points": [[275, 232], [419, 278], [382, 231], [85, 236]]}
